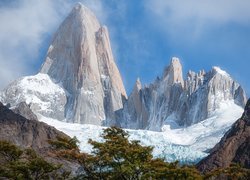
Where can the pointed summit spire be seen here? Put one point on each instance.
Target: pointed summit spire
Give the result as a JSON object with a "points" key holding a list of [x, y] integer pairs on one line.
{"points": [[173, 73], [138, 84], [81, 60]]}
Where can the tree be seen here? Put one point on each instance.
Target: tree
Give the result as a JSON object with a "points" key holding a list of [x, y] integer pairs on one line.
{"points": [[26, 164], [119, 158], [234, 172]]}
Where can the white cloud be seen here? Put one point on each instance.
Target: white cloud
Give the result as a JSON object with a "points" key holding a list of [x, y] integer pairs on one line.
{"points": [[193, 17], [23, 25]]}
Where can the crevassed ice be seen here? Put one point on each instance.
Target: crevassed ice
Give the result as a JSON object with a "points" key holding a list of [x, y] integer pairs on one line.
{"points": [[187, 145]]}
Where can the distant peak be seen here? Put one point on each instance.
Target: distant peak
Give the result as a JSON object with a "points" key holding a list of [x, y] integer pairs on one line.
{"points": [[175, 60], [218, 70], [138, 85], [138, 81], [173, 73]]}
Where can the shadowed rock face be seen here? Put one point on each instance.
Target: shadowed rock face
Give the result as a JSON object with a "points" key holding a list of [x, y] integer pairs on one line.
{"points": [[234, 147], [24, 110], [33, 134], [26, 133]]}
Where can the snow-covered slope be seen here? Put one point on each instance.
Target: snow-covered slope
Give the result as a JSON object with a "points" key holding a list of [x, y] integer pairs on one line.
{"points": [[40, 92], [187, 145]]}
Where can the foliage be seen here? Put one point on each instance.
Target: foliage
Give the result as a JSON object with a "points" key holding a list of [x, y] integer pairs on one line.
{"points": [[64, 143], [66, 148], [235, 171], [25, 164], [9, 152]]}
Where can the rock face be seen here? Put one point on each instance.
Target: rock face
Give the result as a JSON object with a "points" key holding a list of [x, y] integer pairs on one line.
{"points": [[171, 99], [234, 147]]}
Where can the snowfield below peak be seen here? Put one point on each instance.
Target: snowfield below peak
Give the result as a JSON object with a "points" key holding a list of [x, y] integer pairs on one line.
{"points": [[40, 92], [187, 145]]}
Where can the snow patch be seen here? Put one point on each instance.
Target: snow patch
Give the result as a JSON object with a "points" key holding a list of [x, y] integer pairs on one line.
{"points": [[220, 71]]}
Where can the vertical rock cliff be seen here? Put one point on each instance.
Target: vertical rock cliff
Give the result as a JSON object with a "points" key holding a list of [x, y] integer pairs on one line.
{"points": [[81, 60]]}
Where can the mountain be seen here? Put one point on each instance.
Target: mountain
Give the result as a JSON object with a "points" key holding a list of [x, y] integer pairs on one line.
{"points": [[234, 147], [79, 82], [79, 79], [177, 101]]}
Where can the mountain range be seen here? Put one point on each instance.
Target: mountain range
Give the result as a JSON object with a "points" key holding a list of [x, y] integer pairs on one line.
{"points": [[80, 83]]}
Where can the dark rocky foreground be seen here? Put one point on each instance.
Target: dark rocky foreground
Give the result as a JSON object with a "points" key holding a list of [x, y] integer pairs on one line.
{"points": [[234, 147], [27, 133], [24, 132]]}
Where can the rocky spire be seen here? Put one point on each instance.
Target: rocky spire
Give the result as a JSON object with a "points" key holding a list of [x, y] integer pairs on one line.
{"points": [[173, 73], [81, 60]]}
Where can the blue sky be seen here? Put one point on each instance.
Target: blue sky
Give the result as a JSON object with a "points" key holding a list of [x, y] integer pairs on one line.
{"points": [[144, 35]]}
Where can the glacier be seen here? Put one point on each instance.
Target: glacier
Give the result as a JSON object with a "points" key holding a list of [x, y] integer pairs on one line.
{"points": [[188, 145]]}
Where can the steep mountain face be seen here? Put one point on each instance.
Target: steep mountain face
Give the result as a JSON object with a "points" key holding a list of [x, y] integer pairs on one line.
{"points": [[81, 60], [172, 100], [79, 79], [234, 147]]}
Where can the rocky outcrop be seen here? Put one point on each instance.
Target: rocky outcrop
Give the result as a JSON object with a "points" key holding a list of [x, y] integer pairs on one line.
{"points": [[24, 132], [173, 99], [30, 133], [24, 110], [234, 147], [136, 112]]}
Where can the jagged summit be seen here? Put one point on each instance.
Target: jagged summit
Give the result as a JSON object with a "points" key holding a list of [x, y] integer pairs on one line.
{"points": [[138, 84], [183, 101]]}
